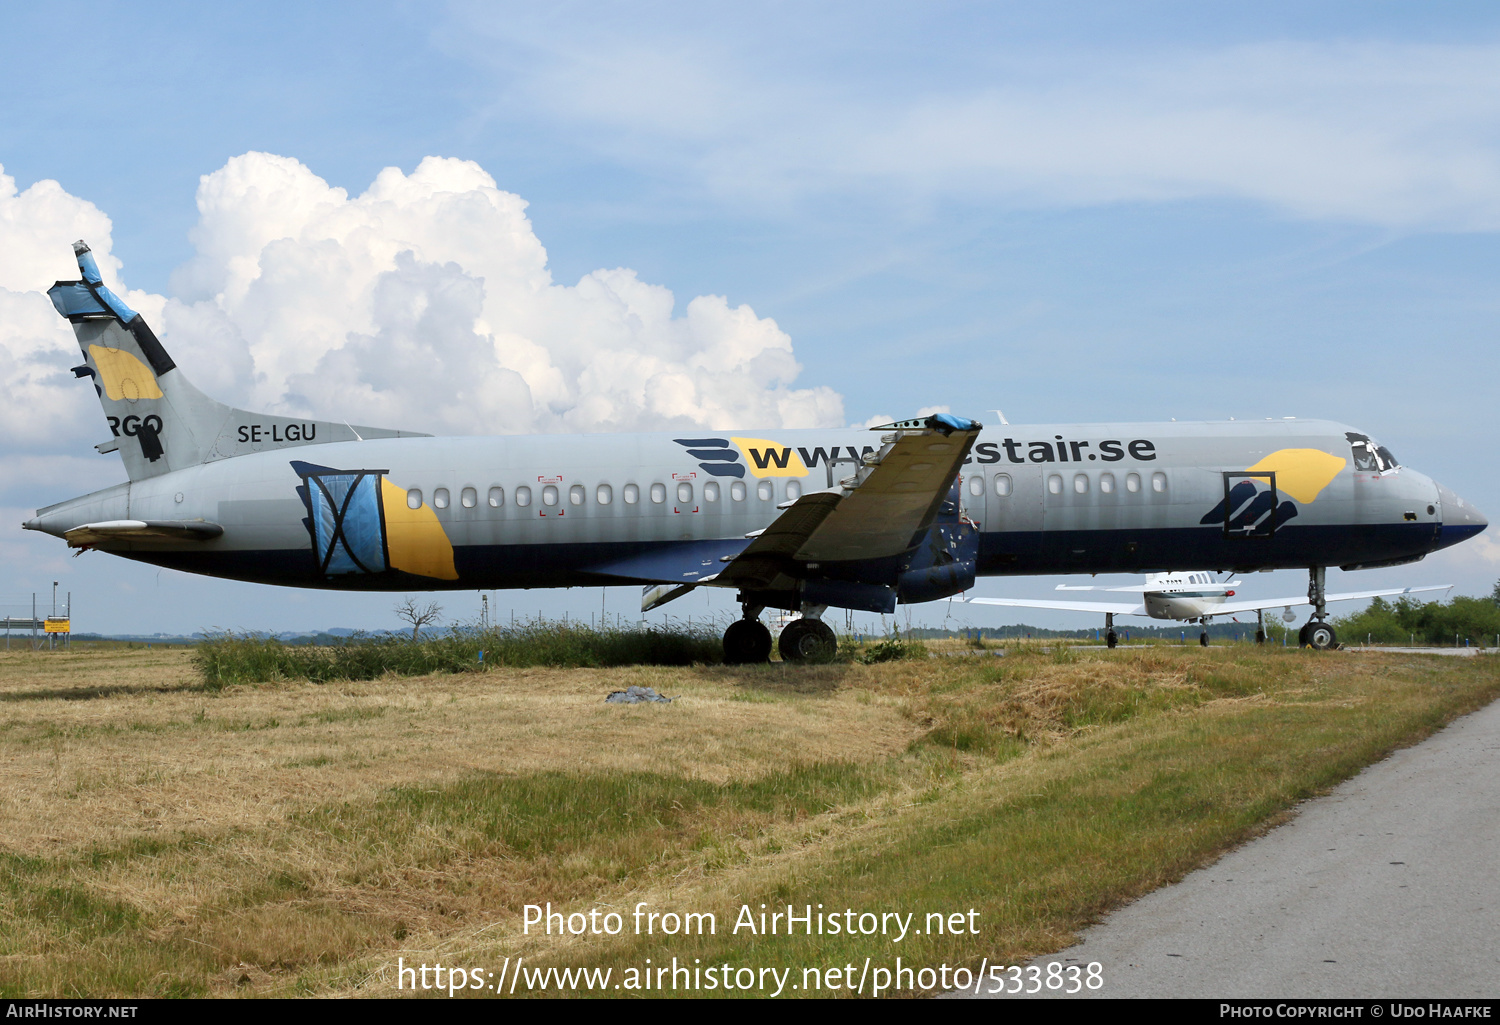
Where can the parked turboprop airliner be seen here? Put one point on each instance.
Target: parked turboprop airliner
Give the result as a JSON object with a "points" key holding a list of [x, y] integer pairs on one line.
{"points": [[795, 520], [1195, 597]]}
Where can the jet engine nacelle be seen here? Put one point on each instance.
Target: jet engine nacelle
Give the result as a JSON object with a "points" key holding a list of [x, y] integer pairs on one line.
{"points": [[944, 563]]}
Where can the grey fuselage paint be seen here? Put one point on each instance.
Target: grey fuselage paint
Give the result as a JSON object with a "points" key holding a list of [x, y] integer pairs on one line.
{"points": [[1046, 499]]}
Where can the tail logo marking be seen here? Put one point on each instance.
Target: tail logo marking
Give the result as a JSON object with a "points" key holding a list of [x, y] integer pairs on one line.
{"points": [[124, 376]]}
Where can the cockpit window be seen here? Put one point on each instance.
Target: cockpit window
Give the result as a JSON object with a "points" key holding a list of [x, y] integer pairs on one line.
{"points": [[1369, 456]]}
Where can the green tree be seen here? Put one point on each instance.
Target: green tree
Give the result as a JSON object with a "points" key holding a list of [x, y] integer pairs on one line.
{"points": [[1476, 620]]}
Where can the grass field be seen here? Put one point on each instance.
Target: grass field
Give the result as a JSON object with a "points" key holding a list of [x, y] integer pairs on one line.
{"points": [[160, 837]]}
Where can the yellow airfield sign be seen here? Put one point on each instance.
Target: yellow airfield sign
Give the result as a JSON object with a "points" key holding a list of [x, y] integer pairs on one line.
{"points": [[57, 625]]}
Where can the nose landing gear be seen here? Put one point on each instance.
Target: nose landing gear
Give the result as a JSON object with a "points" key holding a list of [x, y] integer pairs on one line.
{"points": [[1318, 634]]}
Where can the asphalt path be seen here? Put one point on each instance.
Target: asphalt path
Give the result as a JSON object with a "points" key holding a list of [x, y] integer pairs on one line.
{"points": [[1389, 886]]}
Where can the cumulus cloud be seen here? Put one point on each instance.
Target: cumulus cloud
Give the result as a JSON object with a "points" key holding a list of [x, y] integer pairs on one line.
{"points": [[424, 302]]}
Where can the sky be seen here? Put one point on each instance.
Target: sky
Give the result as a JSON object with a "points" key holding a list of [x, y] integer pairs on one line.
{"points": [[617, 217]]}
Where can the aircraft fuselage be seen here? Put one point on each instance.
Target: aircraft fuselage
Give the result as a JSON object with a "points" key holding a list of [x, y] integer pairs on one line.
{"points": [[551, 511]]}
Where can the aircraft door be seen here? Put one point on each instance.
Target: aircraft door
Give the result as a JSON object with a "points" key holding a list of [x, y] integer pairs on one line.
{"points": [[1252, 506]]}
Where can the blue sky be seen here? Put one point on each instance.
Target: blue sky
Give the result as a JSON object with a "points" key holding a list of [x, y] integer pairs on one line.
{"points": [[1070, 212]]}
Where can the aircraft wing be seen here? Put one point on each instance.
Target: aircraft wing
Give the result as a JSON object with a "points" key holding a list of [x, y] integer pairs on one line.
{"points": [[875, 514], [142, 530], [1301, 599], [1118, 608]]}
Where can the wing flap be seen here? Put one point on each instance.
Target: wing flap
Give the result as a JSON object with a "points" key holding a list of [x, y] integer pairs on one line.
{"points": [[873, 515], [896, 497]]}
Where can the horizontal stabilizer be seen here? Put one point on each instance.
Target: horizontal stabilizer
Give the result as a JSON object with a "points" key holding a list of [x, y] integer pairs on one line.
{"points": [[141, 530]]}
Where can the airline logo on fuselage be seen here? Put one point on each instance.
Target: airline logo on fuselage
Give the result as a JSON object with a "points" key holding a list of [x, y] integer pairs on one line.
{"points": [[1251, 505], [763, 457]]}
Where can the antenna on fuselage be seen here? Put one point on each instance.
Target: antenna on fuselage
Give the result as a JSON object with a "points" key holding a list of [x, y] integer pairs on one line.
{"points": [[356, 433], [1001, 416]]}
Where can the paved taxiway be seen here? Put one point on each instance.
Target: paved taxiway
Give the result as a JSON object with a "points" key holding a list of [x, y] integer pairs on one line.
{"points": [[1387, 887]]}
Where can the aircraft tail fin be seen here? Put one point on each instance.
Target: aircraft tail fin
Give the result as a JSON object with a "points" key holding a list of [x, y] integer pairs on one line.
{"points": [[158, 419]]}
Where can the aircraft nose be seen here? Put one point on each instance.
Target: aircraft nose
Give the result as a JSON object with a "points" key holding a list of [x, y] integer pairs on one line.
{"points": [[1461, 520]]}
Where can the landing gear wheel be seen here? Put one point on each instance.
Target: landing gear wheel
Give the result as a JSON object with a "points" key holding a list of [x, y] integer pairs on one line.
{"points": [[1260, 637], [1302, 635], [1203, 638], [747, 641], [807, 640], [1111, 638], [1320, 637]]}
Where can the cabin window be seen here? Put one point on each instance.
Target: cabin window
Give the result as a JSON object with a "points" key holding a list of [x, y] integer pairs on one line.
{"points": [[1107, 483], [497, 497], [684, 493], [549, 495], [1054, 484], [1081, 483], [737, 491], [523, 496], [765, 491], [711, 491], [468, 498], [1002, 485], [1159, 482], [578, 494], [604, 494], [1132, 482], [976, 486], [632, 494], [414, 498], [793, 490], [658, 493]]}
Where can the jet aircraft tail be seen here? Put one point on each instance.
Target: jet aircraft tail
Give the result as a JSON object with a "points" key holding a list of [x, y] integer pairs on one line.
{"points": [[158, 419]]}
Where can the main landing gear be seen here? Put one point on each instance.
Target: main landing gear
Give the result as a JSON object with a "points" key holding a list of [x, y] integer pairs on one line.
{"points": [[809, 639], [1318, 634], [747, 640], [1110, 637], [1203, 637], [1260, 626]]}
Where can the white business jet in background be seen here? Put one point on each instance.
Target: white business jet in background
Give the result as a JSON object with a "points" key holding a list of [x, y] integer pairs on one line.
{"points": [[1192, 598]]}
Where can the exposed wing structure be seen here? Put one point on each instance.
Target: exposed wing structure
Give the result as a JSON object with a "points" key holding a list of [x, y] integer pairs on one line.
{"points": [[1279, 603], [1118, 608], [142, 530], [878, 513]]}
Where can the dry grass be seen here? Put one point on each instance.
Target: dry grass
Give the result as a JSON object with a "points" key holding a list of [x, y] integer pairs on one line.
{"points": [[292, 838], [100, 750]]}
